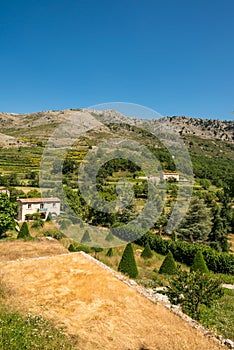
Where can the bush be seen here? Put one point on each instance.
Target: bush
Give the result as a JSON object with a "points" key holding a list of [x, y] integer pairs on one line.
{"points": [[185, 252], [109, 237], [79, 248], [38, 223], [110, 252], [147, 253], [199, 263], [86, 237], [24, 232], [191, 290], [54, 233], [127, 263], [168, 266]]}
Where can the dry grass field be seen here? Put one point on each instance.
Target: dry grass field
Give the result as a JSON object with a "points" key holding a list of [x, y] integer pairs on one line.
{"points": [[90, 302], [13, 250]]}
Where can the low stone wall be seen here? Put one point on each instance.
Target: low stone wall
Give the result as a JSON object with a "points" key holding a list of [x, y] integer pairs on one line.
{"points": [[155, 296]]}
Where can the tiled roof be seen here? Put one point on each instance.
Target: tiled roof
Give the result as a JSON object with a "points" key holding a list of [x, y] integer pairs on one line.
{"points": [[38, 200]]}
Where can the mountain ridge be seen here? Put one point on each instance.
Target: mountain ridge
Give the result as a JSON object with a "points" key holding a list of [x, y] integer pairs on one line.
{"points": [[46, 121]]}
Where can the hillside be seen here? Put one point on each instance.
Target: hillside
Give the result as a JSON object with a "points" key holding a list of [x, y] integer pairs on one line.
{"points": [[90, 302], [23, 137], [40, 125]]}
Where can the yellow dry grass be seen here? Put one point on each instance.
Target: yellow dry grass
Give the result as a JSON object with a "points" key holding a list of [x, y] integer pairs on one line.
{"points": [[105, 313], [231, 241], [13, 250]]}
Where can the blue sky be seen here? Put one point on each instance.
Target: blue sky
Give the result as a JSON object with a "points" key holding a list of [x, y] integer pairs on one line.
{"points": [[174, 56]]}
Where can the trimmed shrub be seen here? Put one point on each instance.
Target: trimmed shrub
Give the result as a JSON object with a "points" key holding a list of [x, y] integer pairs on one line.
{"points": [[49, 217], [110, 252], [24, 231], [199, 263], [71, 248], [109, 237], [86, 237], [127, 263], [168, 266], [185, 252], [64, 223], [147, 253]]}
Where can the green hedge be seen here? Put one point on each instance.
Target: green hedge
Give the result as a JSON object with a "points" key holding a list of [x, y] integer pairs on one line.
{"points": [[185, 252]]}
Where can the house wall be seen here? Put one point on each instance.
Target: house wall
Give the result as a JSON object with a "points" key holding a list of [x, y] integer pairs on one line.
{"points": [[52, 207], [173, 176]]}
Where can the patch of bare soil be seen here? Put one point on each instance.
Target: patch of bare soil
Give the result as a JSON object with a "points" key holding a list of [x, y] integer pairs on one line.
{"points": [[105, 313]]}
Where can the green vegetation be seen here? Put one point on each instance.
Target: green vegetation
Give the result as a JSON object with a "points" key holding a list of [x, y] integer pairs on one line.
{"points": [[201, 239], [147, 253], [110, 252], [127, 263], [219, 316], [199, 263], [24, 232], [196, 224], [109, 237], [31, 332], [184, 252], [191, 290], [73, 247], [7, 214], [168, 266], [86, 237]]}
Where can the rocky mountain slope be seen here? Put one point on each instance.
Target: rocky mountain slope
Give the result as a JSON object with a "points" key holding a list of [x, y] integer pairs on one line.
{"points": [[40, 125]]}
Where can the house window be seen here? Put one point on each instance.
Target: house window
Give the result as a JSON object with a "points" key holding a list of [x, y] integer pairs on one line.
{"points": [[54, 204], [41, 205], [29, 206]]}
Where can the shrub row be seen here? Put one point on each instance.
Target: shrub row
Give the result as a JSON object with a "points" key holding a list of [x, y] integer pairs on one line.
{"points": [[184, 252]]}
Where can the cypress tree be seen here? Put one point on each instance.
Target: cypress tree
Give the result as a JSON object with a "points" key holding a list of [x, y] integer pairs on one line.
{"points": [[109, 237], [168, 266], [110, 252], [147, 253], [49, 217], [127, 263], [199, 263], [24, 231], [71, 248], [86, 237]]}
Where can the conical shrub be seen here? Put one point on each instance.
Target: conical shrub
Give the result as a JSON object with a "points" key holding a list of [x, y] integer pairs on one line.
{"points": [[199, 263], [109, 237], [86, 237], [24, 231], [168, 266], [49, 217], [71, 248], [147, 253], [127, 263], [110, 252]]}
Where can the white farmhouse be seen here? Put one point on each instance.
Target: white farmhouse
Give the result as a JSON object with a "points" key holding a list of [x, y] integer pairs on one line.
{"points": [[44, 206], [169, 176]]}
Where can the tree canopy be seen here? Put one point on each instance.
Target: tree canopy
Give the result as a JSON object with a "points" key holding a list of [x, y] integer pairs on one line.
{"points": [[8, 211]]}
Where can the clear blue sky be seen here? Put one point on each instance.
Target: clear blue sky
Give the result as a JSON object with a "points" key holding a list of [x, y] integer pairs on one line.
{"points": [[175, 56]]}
